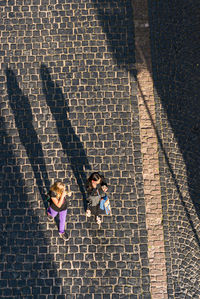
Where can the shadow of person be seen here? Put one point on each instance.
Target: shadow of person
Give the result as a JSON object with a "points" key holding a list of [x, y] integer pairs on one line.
{"points": [[28, 136], [22, 232], [71, 144], [116, 19]]}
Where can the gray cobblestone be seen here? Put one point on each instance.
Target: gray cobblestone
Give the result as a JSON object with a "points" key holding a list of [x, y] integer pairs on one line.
{"points": [[66, 111]]}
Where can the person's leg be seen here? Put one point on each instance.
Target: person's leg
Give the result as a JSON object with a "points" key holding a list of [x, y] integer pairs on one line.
{"points": [[62, 217], [96, 213], [92, 210], [52, 213], [88, 212]]}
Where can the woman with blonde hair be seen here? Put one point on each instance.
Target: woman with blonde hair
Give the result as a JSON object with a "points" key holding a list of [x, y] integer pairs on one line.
{"points": [[58, 205]]}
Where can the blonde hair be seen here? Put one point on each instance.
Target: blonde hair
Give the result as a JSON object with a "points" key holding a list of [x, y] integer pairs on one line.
{"points": [[58, 187]]}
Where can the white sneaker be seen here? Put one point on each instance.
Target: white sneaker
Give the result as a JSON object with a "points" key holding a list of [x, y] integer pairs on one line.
{"points": [[98, 219]]}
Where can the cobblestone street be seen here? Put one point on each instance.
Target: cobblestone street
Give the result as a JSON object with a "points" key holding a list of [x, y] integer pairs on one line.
{"points": [[108, 86]]}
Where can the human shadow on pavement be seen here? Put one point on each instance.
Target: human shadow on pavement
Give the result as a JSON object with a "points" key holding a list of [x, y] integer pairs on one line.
{"points": [[26, 257], [28, 136], [71, 144], [175, 47], [116, 19]]}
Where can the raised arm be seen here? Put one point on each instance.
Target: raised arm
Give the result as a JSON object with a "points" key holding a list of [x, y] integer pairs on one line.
{"points": [[104, 185], [59, 202]]}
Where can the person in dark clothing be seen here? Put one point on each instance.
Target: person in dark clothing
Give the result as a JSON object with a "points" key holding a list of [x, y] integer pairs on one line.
{"points": [[96, 189], [58, 205]]}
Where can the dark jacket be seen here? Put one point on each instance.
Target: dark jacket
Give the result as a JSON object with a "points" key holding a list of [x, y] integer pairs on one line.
{"points": [[95, 194], [53, 206]]}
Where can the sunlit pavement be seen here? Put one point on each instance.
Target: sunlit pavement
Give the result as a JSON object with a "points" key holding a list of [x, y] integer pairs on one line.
{"points": [[108, 86]]}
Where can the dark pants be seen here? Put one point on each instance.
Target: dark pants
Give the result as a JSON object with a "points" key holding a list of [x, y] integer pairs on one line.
{"points": [[95, 210]]}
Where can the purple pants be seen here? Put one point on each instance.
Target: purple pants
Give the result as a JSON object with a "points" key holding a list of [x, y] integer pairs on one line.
{"points": [[62, 217]]}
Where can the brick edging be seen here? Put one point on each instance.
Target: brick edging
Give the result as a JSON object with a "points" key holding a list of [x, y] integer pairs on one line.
{"points": [[149, 149]]}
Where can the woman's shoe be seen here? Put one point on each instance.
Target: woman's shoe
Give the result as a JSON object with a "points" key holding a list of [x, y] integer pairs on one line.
{"points": [[50, 218], [64, 236], [98, 220]]}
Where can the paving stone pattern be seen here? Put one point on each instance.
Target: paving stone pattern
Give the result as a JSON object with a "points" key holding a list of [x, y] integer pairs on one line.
{"points": [[149, 149], [175, 61], [67, 109]]}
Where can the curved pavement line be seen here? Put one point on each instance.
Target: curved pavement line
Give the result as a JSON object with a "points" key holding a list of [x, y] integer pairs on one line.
{"points": [[149, 149]]}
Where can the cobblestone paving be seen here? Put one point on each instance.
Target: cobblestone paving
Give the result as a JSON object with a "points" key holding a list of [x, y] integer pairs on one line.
{"points": [[175, 59], [149, 149], [69, 107]]}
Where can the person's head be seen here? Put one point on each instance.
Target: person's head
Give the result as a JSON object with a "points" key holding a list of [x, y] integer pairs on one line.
{"points": [[94, 180], [58, 187]]}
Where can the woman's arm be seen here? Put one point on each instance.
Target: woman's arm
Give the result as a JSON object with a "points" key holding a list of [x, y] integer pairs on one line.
{"points": [[104, 188], [59, 202], [104, 185]]}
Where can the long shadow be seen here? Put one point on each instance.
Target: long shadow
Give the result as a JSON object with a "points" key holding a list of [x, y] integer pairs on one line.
{"points": [[175, 47], [23, 120], [71, 144], [116, 19], [25, 257]]}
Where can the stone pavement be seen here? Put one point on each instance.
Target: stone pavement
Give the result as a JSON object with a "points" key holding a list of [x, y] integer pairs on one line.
{"points": [[149, 150], [90, 85]]}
